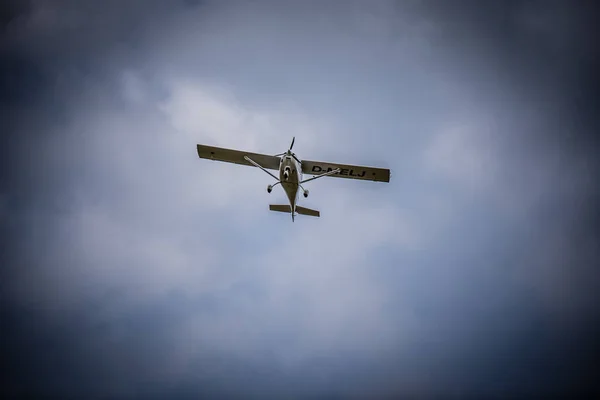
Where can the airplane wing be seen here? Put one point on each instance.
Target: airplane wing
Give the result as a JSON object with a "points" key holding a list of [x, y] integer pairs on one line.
{"points": [[237, 157], [347, 171]]}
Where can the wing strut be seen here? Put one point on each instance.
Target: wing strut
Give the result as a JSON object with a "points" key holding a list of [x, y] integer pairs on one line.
{"points": [[257, 165]]}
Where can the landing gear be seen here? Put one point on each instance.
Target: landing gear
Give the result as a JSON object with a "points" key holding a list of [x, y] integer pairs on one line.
{"points": [[270, 187], [304, 191]]}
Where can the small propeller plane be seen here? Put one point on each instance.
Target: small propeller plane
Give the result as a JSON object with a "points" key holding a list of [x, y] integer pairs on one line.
{"points": [[290, 172]]}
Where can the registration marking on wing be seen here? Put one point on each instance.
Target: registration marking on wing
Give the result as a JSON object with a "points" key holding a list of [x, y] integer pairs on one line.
{"points": [[346, 171]]}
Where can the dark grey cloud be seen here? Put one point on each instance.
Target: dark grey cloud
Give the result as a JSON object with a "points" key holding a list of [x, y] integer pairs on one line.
{"points": [[129, 267]]}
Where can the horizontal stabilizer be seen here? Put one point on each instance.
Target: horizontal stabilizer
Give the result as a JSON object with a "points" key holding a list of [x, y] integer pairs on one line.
{"points": [[280, 207], [307, 211]]}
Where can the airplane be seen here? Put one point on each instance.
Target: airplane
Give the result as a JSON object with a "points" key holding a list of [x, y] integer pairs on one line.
{"points": [[290, 172]]}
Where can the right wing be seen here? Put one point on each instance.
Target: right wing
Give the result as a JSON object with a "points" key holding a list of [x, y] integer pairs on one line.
{"points": [[346, 171], [237, 157]]}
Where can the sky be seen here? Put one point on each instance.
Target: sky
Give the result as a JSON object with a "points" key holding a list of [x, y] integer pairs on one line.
{"points": [[131, 268]]}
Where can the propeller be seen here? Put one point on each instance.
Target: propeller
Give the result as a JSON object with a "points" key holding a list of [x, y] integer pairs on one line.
{"points": [[289, 152]]}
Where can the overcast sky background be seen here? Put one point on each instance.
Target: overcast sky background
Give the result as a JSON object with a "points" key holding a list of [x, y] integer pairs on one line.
{"points": [[130, 267]]}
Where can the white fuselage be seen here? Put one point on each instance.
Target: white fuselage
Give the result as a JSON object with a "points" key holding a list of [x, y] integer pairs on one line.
{"points": [[290, 174]]}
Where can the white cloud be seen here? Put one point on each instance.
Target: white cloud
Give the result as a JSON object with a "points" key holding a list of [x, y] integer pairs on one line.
{"points": [[314, 273], [463, 154], [159, 219], [212, 113]]}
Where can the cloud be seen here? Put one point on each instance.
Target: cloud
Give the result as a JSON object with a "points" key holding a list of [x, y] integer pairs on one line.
{"points": [[155, 219], [141, 263], [463, 154]]}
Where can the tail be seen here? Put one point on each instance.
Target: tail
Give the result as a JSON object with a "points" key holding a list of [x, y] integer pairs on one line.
{"points": [[307, 211], [286, 208], [300, 210], [280, 208]]}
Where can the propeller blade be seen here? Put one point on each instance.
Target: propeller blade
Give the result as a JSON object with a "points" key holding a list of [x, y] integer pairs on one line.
{"points": [[296, 158], [292, 145]]}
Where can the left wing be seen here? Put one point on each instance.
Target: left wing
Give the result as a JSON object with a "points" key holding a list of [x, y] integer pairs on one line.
{"points": [[346, 171], [237, 156]]}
